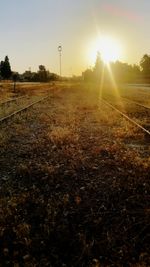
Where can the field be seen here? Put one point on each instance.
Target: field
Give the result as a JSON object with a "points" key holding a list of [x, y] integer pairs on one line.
{"points": [[74, 185]]}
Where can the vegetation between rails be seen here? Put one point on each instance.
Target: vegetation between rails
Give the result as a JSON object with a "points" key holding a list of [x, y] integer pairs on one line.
{"points": [[74, 192]]}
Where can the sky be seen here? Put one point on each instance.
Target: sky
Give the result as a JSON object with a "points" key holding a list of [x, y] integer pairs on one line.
{"points": [[32, 30]]}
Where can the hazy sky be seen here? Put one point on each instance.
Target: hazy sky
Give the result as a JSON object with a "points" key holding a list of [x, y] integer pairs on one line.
{"points": [[31, 30]]}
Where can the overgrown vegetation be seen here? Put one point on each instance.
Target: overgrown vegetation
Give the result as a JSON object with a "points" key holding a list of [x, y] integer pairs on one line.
{"points": [[42, 75], [120, 71], [74, 192]]}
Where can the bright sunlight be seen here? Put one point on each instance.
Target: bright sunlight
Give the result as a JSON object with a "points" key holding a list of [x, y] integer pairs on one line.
{"points": [[109, 48]]}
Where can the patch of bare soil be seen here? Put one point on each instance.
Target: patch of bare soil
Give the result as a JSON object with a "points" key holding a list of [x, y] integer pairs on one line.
{"points": [[71, 192]]}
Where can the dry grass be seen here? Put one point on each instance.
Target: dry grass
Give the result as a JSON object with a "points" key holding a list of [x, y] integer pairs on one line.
{"points": [[73, 193], [62, 135]]}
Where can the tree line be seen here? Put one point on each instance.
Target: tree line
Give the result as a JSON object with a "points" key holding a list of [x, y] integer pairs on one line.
{"points": [[42, 75], [121, 72]]}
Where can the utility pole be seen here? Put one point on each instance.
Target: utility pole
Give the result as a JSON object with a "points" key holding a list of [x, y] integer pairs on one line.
{"points": [[60, 52], [15, 76]]}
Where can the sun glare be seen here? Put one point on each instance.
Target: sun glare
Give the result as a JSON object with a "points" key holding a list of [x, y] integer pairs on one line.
{"points": [[109, 48]]}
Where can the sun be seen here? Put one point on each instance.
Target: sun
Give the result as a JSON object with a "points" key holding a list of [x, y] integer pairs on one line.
{"points": [[109, 48]]}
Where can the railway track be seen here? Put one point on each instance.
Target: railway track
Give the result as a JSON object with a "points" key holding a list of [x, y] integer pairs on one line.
{"points": [[6, 118], [131, 101], [126, 116], [135, 102], [11, 100], [140, 90]]}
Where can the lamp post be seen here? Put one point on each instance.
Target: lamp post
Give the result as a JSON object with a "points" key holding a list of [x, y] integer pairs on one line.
{"points": [[60, 51]]}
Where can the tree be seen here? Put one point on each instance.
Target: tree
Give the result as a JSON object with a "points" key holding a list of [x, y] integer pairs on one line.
{"points": [[98, 67], [145, 65], [95, 73], [27, 76], [5, 68], [43, 76], [87, 75], [125, 73]]}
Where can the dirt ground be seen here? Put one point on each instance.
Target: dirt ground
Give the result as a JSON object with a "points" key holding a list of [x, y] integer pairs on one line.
{"points": [[74, 185]]}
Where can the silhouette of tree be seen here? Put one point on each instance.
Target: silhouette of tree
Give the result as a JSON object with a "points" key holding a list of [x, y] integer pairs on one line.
{"points": [[124, 72], [95, 73], [136, 73], [98, 67], [42, 68], [43, 75], [87, 75], [27, 76], [5, 68], [145, 65]]}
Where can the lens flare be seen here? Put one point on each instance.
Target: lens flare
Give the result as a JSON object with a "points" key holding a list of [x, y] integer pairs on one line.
{"points": [[109, 48]]}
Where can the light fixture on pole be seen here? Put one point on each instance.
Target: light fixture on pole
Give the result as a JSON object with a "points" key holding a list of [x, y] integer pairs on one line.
{"points": [[60, 51]]}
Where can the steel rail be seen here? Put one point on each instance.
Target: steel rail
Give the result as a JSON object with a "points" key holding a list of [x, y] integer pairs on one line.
{"points": [[126, 117], [11, 100], [136, 103], [6, 118], [132, 101], [142, 90]]}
